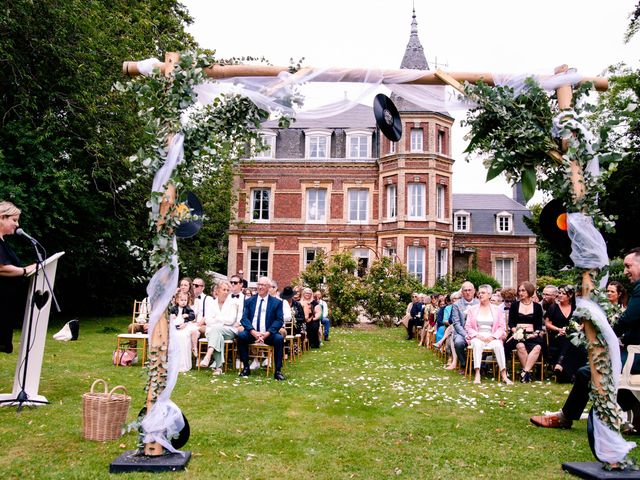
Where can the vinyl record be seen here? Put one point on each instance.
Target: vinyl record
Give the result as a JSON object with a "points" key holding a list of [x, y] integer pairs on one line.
{"points": [[189, 228], [387, 117], [553, 224]]}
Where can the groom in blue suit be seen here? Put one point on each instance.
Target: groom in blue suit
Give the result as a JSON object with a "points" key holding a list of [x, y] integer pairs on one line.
{"points": [[262, 319]]}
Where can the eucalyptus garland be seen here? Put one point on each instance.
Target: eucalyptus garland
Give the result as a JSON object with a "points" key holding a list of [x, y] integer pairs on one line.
{"points": [[521, 136], [214, 135]]}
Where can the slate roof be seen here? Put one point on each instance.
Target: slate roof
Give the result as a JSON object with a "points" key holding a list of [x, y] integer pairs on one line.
{"points": [[360, 116], [483, 208]]}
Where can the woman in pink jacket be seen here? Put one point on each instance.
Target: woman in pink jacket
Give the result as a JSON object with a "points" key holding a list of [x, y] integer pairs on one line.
{"points": [[486, 329]]}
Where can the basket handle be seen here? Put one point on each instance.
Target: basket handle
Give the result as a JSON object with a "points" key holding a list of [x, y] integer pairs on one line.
{"points": [[99, 380], [116, 388]]}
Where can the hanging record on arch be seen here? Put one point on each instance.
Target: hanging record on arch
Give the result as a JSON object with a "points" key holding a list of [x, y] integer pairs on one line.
{"points": [[387, 117], [553, 225]]}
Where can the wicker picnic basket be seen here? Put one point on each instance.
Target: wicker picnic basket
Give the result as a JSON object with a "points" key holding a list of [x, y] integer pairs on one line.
{"points": [[104, 413]]}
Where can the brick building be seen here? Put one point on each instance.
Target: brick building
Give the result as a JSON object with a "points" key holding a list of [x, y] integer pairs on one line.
{"points": [[338, 184]]}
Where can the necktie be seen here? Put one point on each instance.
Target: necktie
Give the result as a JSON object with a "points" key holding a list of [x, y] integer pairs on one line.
{"points": [[259, 313], [235, 295]]}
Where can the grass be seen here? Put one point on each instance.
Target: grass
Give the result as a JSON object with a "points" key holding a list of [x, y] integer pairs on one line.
{"points": [[368, 405]]}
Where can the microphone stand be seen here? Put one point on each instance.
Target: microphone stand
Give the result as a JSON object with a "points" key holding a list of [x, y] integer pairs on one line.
{"points": [[23, 396]]}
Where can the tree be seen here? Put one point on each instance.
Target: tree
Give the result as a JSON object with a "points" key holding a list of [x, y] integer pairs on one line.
{"points": [[66, 134], [344, 288], [387, 290]]}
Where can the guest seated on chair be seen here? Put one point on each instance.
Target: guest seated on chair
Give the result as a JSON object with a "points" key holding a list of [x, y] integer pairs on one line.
{"points": [[566, 357], [181, 317], [222, 325], [525, 323], [141, 323], [486, 329], [262, 319]]}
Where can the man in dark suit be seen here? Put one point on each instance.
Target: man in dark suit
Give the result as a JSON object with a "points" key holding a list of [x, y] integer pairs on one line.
{"points": [[627, 328], [262, 319]]}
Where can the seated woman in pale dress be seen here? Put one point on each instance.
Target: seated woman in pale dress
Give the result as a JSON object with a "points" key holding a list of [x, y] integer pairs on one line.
{"points": [[182, 317], [221, 326], [485, 328]]}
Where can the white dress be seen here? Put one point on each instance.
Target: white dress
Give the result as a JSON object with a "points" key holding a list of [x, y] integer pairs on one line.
{"points": [[183, 339], [222, 326]]}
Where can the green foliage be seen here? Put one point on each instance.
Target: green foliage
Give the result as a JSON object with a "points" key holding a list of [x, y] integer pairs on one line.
{"points": [[64, 135], [316, 272], [387, 290], [344, 288], [477, 278], [521, 135], [621, 192], [214, 136]]}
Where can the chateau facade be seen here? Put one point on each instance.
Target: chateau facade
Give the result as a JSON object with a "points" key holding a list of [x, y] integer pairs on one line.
{"points": [[338, 184]]}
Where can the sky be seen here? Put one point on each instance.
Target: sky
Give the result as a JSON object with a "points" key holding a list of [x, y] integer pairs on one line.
{"points": [[497, 36]]}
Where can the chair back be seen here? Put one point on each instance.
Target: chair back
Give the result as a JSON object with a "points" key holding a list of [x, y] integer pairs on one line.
{"points": [[628, 380], [140, 311]]}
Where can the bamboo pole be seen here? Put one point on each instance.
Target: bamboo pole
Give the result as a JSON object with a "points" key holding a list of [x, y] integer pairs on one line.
{"points": [[159, 341], [565, 94], [130, 68]]}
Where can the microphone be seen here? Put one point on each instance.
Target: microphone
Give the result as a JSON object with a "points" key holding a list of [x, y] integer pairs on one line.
{"points": [[24, 234]]}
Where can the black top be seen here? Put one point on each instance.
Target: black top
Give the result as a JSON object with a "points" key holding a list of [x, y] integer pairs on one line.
{"points": [[556, 317], [12, 298], [535, 318]]}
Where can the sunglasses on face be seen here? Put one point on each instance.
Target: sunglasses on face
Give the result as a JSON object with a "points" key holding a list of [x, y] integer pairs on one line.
{"points": [[195, 285], [234, 282]]}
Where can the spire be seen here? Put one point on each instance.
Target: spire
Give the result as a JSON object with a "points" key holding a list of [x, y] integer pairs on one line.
{"points": [[414, 54]]}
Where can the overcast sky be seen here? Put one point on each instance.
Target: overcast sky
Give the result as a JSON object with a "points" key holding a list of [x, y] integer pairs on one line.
{"points": [[501, 36]]}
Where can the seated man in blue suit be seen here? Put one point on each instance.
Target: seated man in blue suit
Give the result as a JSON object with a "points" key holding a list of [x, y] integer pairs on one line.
{"points": [[262, 319]]}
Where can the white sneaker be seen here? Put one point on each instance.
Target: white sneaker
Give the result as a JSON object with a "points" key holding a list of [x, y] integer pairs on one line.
{"points": [[255, 364], [265, 362], [217, 371]]}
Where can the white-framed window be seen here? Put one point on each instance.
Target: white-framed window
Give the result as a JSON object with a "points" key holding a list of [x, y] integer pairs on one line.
{"points": [[416, 200], [317, 143], [268, 141], [441, 200], [390, 252], [359, 144], [442, 262], [415, 262], [462, 221], [504, 222], [441, 142], [504, 271], [361, 256], [316, 205], [392, 201], [417, 135], [258, 263], [260, 200], [310, 254], [393, 147], [358, 205]]}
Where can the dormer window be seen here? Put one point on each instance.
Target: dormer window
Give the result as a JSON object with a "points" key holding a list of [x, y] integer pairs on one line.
{"points": [[504, 222], [462, 221], [359, 144], [268, 147], [317, 143]]}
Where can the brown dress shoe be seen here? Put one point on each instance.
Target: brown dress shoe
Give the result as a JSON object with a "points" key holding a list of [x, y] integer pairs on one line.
{"points": [[551, 421]]}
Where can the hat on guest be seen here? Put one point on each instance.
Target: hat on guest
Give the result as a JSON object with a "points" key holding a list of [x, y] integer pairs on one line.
{"points": [[287, 293]]}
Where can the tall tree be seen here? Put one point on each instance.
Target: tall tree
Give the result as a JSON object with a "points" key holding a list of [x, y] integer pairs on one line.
{"points": [[65, 135]]}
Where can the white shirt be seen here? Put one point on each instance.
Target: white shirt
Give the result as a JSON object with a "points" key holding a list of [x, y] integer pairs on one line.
{"points": [[229, 314], [263, 315], [203, 307]]}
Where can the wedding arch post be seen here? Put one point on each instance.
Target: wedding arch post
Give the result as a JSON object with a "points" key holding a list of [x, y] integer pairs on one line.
{"points": [[159, 340]]}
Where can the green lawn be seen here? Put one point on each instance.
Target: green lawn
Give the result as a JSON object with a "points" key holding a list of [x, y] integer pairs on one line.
{"points": [[368, 405]]}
